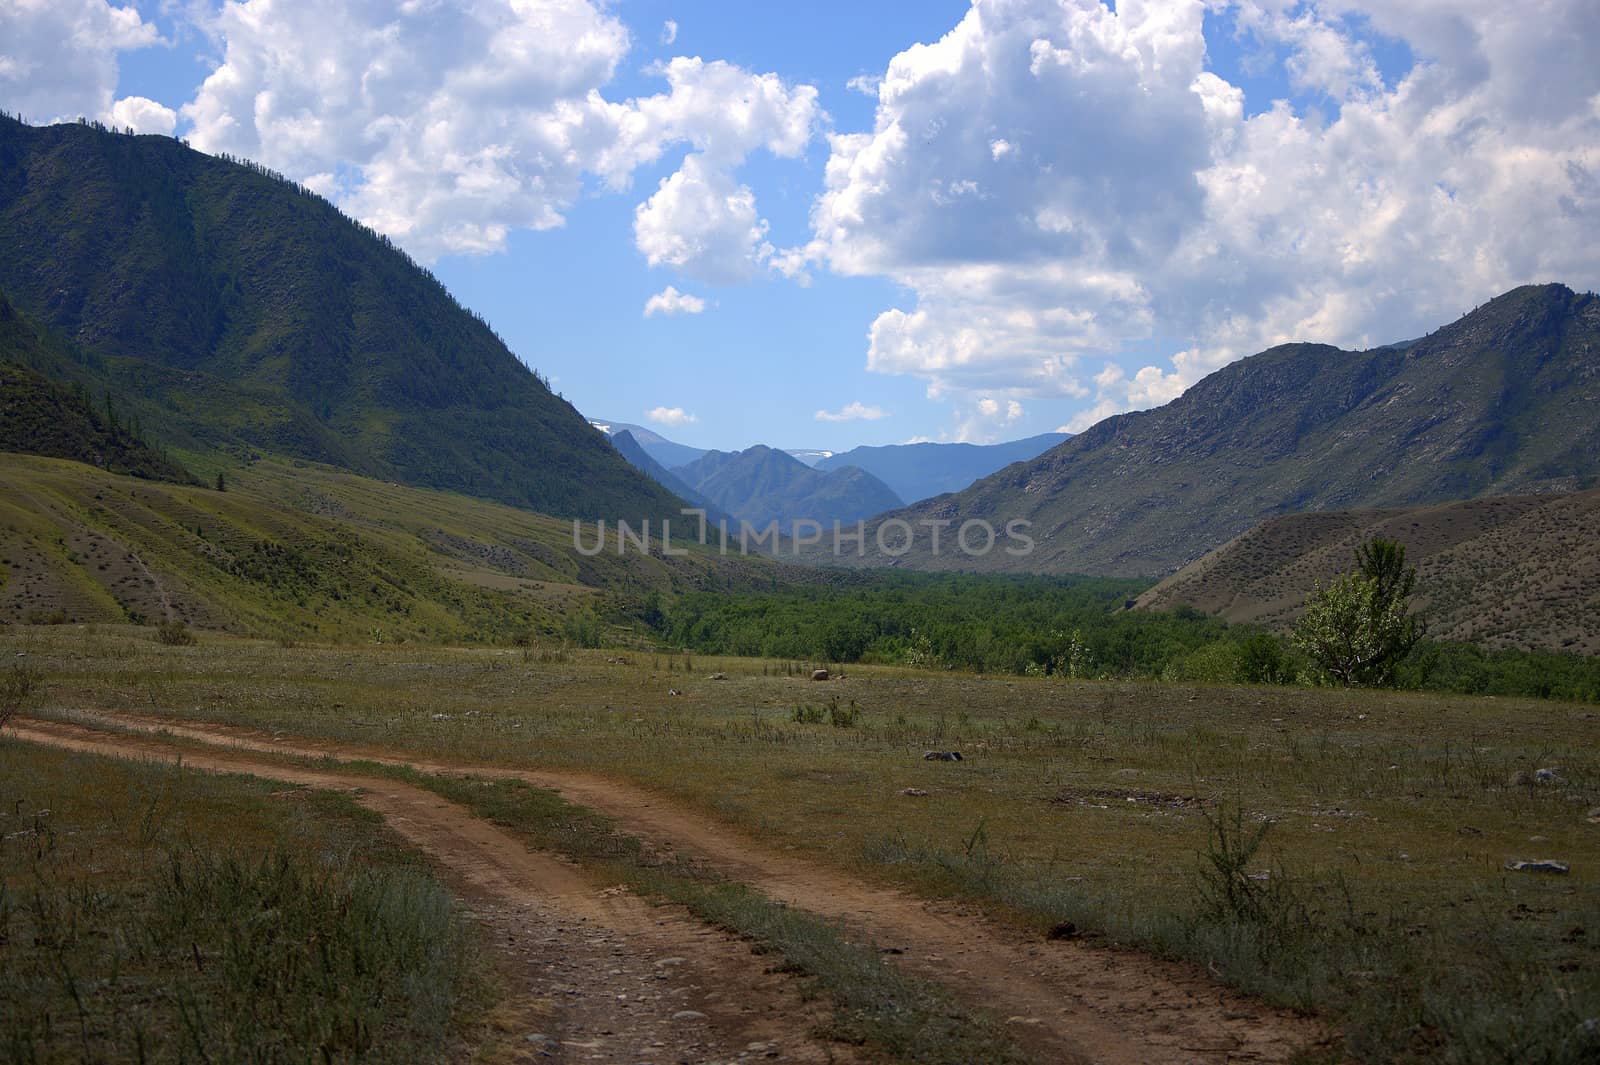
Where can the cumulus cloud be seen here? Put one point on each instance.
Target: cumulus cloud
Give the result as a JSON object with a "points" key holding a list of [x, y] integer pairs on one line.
{"points": [[671, 416], [143, 115], [1054, 182], [703, 224], [855, 411], [447, 126], [669, 31], [670, 302], [58, 58]]}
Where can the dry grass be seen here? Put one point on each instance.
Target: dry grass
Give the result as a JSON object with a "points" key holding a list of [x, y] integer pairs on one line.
{"points": [[1394, 814], [152, 914]]}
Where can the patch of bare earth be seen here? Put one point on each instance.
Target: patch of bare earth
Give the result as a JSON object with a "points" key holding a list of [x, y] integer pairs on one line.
{"points": [[1066, 1000]]}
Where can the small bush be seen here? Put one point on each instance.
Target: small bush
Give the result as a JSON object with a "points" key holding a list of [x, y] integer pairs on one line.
{"points": [[546, 655], [842, 716], [583, 629], [18, 685], [175, 634], [807, 714]]}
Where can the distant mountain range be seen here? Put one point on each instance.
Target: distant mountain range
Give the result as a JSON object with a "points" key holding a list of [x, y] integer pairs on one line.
{"points": [[238, 313], [921, 471], [626, 443], [1505, 571], [1502, 401], [762, 484], [668, 453], [913, 471]]}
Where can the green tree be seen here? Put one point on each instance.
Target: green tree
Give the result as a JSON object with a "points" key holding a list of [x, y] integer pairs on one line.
{"points": [[1359, 627], [222, 483]]}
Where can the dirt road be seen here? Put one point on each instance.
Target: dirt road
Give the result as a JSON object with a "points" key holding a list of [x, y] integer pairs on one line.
{"points": [[596, 974], [1069, 1001]]}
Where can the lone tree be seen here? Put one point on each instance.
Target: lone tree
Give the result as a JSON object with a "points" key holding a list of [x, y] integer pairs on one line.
{"points": [[1359, 627]]}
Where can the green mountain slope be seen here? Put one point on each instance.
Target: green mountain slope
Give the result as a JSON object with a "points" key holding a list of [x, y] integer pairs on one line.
{"points": [[305, 551], [921, 471], [41, 417], [762, 484], [1501, 401], [252, 315], [1507, 571]]}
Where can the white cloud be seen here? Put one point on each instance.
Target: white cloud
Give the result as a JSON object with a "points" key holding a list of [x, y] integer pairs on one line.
{"points": [[982, 419], [1115, 393], [669, 31], [143, 115], [703, 224], [1054, 182], [670, 302], [992, 409], [671, 416], [58, 58], [447, 126], [852, 412]]}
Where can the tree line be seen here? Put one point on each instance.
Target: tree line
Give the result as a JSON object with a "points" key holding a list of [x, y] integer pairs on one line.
{"points": [[1359, 630]]}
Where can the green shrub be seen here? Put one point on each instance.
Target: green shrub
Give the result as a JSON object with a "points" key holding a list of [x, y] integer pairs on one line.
{"points": [[18, 685], [175, 633]]}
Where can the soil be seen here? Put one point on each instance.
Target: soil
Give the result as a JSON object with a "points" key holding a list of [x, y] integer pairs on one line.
{"points": [[1066, 1000]]}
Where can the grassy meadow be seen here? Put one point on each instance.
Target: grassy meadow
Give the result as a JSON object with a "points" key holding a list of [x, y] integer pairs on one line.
{"points": [[1336, 851], [152, 914]]}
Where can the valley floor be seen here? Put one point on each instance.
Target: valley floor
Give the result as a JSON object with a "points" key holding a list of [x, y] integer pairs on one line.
{"points": [[559, 791]]}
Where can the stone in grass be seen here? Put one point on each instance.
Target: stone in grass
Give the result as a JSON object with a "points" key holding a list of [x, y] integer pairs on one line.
{"points": [[1543, 865], [688, 1015], [942, 756], [914, 792]]}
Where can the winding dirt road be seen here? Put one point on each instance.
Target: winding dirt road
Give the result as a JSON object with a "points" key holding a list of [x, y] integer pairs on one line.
{"points": [[1068, 1001]]}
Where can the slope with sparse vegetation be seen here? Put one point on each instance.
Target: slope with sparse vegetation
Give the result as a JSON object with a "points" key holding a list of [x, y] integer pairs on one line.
{"points": [[1508, 571], [299, 551], [1499, 402]]}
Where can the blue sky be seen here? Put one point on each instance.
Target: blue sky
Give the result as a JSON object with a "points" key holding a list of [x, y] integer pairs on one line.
{"points": [[1058, 211]]}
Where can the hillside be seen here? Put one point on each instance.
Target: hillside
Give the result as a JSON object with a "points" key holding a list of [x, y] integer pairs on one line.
{"points": [[1500, 402], [1507, 571], [302, 551], [921, 471], [762, 484], [41, 417], [242, 313]]}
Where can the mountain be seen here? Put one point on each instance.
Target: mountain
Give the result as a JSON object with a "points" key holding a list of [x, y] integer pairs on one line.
{"points": [[41, 417], [38, 417], [630, 448], [242, 313], [762, 484], [1502, 401], [667, 452], [921, 471], [1506, 571]]}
